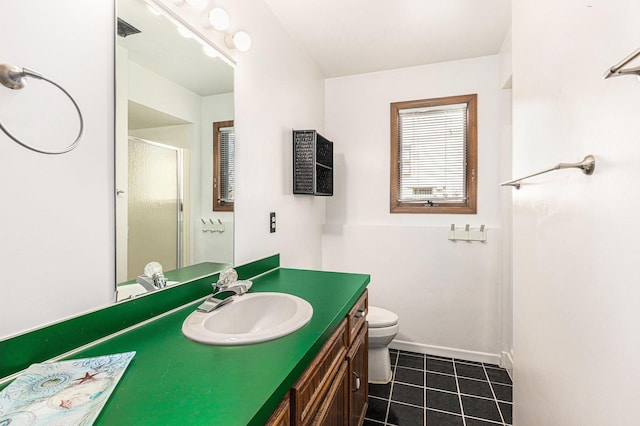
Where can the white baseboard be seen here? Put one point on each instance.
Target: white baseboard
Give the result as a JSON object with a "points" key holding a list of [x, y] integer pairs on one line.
{"points": [[446, 352], [506, 361]]}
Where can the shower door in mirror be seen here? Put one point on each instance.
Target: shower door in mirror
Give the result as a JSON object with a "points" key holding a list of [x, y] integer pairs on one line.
{"points": [[154, 206]]}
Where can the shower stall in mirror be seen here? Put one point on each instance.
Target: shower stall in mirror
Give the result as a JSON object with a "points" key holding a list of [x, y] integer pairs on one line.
{"points": [[154, 206]]}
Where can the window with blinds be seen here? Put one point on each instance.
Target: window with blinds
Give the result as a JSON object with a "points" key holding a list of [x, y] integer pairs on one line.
{"points": [[223, 166], [433, 155]]}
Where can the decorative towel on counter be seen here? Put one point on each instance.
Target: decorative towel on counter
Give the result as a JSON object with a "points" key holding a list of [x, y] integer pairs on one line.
{"points": [[62, 393]]}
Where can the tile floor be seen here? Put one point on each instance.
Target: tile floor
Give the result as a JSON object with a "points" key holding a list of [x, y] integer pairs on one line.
{"points": [[435, 391]]}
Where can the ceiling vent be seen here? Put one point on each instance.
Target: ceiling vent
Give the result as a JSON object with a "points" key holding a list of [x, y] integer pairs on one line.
{"points": [[126, 29]]}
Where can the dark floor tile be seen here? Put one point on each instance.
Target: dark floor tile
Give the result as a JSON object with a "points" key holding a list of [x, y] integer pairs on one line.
{"points": [[407, 375], [381, 391], [477, 422], [405, 415], [442, 408], [377, 409], [499, 376], [507, 412], [408, 394], [492, 366], [439, 357], [472, 371], [436, 418], [411, 361], [440, 365], [444, 401], [441, 381], [475, 387], [503, 392], [469, 362], [393, 355], [481, 408]]}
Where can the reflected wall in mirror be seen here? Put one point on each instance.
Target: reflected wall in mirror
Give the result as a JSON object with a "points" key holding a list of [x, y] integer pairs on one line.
{"points": [[171, 87]]}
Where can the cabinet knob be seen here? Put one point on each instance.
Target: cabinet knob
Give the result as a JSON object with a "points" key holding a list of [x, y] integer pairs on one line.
{"points": [[360, 313], [356, 382]]}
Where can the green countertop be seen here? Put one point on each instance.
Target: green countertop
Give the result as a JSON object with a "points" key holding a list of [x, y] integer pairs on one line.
{"points": [[188, 273], [175, 381]]}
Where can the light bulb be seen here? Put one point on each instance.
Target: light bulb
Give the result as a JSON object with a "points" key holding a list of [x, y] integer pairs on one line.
{"points": [[242, 41], [219, 19]]}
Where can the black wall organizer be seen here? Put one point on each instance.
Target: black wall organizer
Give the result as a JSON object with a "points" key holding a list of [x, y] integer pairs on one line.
{"points": [[312, 163]]}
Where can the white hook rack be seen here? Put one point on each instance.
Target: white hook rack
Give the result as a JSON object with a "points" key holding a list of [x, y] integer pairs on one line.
{"points": [[212, 226], [468, 234]]}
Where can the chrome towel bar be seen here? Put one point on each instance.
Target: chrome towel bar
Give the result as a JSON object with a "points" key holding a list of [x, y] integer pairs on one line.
{"points": [[617, 70], [14, 78], [587, 166]]}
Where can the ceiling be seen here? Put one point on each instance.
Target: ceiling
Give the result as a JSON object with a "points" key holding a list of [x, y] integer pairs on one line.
{"points": [[159, 48], [347, 37]]}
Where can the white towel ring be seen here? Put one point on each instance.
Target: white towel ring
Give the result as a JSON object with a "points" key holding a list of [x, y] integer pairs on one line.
{"points": [[14, 78]]}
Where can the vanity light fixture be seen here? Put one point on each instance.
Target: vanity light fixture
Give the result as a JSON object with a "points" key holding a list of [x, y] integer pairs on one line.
{"points": [[187, 31], [219, 19], [240, 40]]}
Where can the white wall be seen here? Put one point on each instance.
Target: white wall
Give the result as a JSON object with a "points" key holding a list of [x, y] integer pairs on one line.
{"points": [[213, 246], [446, 294], [576, 293], [506, 200], [277, 89], [56, 221]]}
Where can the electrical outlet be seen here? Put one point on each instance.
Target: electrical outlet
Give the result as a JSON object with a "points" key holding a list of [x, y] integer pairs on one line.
{"points": [[272, 222]]}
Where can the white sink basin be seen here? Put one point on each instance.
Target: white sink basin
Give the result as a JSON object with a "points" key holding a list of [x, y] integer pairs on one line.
{"points": [[250, 318]]}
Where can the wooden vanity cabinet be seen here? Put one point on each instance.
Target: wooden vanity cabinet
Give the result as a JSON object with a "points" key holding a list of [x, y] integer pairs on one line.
{"points": [[358, 360], [333, 390]]}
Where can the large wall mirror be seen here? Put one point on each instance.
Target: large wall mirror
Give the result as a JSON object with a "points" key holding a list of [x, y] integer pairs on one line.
{"points": [[172, 90]]}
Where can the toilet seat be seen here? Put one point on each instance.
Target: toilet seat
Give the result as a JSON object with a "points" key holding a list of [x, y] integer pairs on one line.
{"points": [[379, 318]]}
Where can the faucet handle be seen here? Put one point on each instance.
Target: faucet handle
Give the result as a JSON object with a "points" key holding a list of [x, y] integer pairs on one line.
{"points": [[217, 286]]}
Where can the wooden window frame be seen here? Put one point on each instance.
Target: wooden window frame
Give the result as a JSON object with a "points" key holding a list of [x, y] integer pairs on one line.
{"points": [[218, 204], [468, 207]]}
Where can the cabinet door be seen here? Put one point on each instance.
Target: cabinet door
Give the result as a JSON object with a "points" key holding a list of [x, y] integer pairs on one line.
{"points": [[282, 415], [358, 377], [334, 408], [309, 392]]}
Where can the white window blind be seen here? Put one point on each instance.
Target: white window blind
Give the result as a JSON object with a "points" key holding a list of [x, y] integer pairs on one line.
{"points": [[227, 164], [432, 154]]}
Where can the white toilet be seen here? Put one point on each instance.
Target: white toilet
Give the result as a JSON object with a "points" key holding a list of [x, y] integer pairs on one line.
{"points": [[383, 327]]}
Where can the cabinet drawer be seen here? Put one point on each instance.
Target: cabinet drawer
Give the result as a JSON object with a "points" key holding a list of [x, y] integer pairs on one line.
{"points": [[282, 415], [358, 315], [310, 389]]}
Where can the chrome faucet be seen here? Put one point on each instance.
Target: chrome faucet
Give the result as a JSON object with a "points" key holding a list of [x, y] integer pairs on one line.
{"points": [[212, 303]]}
